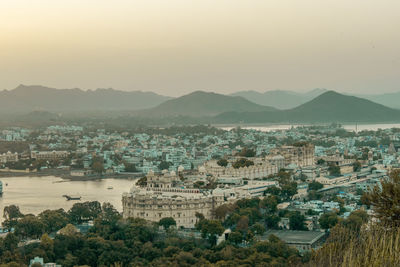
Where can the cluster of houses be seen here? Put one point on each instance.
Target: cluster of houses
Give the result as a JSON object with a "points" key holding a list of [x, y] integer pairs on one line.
{"points": [[178, 165]]}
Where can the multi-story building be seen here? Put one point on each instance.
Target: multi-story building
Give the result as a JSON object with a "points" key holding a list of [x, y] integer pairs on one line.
{"points": [[162, 198], [300, 155], [263, 167], [8, 157], [49, 155]]}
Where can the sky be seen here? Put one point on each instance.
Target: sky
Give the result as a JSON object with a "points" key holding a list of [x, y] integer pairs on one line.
{"points": [[173, 47]]}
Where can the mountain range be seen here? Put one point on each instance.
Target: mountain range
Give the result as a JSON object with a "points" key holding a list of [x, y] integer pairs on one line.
{"points": [[280, 99], [388, 99], [327, 107], [29, 98], [197, 107], [200, 104]]}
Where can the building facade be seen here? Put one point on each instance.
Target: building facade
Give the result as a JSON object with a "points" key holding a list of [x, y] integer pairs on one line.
{"points": [[162, 198]]}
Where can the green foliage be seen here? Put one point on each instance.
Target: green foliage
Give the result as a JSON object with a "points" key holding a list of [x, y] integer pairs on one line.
{"points": [[98, 167], [334, 170], [11, 214], [164, 165], [211, 229], [222, 162], [86, 211], [314, 185], [142, 181], [242, 162], [328, 220], [386, 199], [29, 227], [288, 190], [130, 167], [272, 221], [53, 220], [356, 166], [248, 153], [296, 221], [167, 222]]}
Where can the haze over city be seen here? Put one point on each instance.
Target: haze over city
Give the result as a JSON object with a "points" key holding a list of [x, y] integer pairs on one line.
{"points": [[176, 47]]}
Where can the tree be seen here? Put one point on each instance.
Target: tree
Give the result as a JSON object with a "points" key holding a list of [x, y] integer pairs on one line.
{"points": [[258, 229], [248, 153], [164, 165], [47, 244], [85, 211], [129, 167], [289, 190], [320, 161], [11, 214], [69, 230], [314, 185], [269, 203], [29, 226], [211, 229], [334, 170], [243, 224], [53, 220], [142, 181], [272, 221], [167, 222], [328, 220], [223, 210], [235, 237], [222, 162], [356, 166], [314, 195], [98, 167], [296, 221], [355, 220], [242, 162], [385, 199]]}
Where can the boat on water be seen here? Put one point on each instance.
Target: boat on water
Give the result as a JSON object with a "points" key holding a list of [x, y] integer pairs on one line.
{"points": [[68, 197], [110, 187], [1, 188]]}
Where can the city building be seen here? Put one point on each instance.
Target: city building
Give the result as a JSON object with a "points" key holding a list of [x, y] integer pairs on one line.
{"points": [[162, 197]]}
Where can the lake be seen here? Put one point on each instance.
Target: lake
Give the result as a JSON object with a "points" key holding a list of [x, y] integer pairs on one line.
{"points": [[36, 194]]}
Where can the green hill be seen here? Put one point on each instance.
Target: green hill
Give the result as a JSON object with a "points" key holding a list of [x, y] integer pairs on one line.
{"points": [[328, 107], [199, 104], [280, 99]]}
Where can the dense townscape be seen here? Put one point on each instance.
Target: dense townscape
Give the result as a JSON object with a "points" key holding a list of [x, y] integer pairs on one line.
{"points": [[212, 196]]}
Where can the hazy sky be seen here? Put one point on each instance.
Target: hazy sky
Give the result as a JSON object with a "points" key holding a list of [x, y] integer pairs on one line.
{"points": [[176, 46]]}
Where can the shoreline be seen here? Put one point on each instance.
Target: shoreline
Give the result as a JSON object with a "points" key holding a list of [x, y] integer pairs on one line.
{"points": [[65, 174]]}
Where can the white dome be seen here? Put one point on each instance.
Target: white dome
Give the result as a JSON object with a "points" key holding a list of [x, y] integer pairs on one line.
{"points": [[181, 168]]}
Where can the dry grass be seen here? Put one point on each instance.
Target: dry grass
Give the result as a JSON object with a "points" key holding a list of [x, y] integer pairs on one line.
{"points": [[376, 246]]}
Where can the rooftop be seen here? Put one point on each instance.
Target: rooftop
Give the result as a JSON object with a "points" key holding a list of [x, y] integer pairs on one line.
{"points": [[288, 236]]}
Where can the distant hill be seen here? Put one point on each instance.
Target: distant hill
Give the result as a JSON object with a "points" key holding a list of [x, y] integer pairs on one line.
{"points": [[388, 99], [29, 98], [328, 107], [280, 99], [199, 104]]}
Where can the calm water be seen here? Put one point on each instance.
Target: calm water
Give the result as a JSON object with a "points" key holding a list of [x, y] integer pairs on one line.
{"points": [[350, 127], [35, 194]]}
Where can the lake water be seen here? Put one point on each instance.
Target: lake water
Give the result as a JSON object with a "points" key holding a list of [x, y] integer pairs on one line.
{"points": [[36, 194], [350, 127]]}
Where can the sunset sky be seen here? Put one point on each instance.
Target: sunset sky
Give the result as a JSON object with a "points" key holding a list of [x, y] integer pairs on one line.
{"points": [[173, 47]]}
